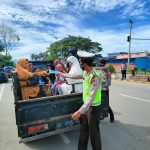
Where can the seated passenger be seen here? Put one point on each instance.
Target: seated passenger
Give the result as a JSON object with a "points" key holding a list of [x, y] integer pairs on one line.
{"points": [[44, 83], [59, 80], [58, 61], [51, 76], [23, 68], [74, 69]]}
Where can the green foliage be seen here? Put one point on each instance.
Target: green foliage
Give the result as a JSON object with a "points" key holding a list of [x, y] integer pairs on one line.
{"points": [[111, 68], [40, 56], [129, 69], [1, 48], [74, 42], [5, 61]]}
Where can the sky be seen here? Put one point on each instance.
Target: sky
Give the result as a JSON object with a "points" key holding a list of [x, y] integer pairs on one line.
{"points": [[41, 22]]}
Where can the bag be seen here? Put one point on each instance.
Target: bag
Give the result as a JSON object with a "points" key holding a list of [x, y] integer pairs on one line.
{"points": [[33, 81]]}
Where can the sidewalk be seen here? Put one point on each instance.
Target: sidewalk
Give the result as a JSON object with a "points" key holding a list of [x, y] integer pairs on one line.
{"points": [[130, 78]]}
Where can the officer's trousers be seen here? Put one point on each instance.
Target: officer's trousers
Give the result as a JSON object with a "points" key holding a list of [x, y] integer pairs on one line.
{"points": [[90, 127]]}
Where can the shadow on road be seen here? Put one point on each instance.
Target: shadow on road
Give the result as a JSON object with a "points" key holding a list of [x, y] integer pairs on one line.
{"points": [[115, 136]]}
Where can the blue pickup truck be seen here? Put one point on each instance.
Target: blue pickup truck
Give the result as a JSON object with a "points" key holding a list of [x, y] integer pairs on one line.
{"points": [[44, 116]]}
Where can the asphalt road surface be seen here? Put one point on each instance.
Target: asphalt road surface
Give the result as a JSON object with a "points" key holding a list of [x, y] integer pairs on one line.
{"points": [[131, 130]]}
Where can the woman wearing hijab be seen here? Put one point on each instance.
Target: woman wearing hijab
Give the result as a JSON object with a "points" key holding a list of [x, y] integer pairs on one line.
{"points": [[74, 69], [58, 61], [23, 68], [58, 82]]}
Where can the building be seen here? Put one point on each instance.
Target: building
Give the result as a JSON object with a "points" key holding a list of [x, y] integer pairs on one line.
{"points": [[113, 55], [141, 60]]}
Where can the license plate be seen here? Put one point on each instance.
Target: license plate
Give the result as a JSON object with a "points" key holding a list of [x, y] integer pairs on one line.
{"points": [[64, 124]]}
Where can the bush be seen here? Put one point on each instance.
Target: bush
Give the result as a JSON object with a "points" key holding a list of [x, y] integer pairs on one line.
{"points": [[111, 68]]}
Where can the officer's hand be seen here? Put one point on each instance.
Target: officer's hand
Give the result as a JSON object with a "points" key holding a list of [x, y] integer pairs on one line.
{"points": [[76, 115]]}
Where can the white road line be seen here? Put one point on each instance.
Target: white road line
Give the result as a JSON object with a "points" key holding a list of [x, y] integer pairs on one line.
{"points": [[139, 99], [64, 138], [1, 92]]}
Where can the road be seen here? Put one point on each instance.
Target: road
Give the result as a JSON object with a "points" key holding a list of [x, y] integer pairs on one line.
{"points": [[131, 130]]}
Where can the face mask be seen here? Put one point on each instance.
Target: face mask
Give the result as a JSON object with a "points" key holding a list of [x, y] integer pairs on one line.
{"points": [[81, 64]]}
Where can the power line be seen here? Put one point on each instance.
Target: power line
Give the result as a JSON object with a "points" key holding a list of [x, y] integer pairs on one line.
{"points": [[139, 39]]}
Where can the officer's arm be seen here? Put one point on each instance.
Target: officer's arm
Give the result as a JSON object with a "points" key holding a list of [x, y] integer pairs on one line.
{"points": [[95, 82], [72, 76]]}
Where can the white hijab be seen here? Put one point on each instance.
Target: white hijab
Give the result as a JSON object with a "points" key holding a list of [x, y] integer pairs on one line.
{"points": [[75, 69]]}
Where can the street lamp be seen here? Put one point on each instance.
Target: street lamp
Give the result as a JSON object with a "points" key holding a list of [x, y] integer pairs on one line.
{"points": [[129, 54]]}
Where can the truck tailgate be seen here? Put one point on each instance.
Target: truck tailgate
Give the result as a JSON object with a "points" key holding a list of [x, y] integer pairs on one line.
{"points": [[53, 112]]}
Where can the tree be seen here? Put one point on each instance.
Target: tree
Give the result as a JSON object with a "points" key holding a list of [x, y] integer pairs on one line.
{"points": [[8, 37], [1, 47], [40, 56], [74, 42], [34, 57], [5, 61], [111, 68]]}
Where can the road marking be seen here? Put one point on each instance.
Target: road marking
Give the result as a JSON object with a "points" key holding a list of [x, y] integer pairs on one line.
{"points": [[1, 93], [64, 138], [139, 99]]}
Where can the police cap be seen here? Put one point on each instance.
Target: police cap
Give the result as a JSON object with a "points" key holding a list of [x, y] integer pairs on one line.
{"points": [[84, 54]]}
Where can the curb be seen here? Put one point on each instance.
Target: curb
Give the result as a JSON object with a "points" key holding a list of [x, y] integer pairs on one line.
{"points": [[132, 81]]}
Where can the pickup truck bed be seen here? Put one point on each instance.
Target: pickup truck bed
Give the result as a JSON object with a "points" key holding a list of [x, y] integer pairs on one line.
{"points": [[41, 117]]}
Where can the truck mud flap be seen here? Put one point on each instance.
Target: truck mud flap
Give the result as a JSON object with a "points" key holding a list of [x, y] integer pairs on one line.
{"points": [[36, 137]]}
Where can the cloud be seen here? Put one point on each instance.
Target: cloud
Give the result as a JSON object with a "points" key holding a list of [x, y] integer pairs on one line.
{"points": [[111, 40], [135, 8], [39, 22]]}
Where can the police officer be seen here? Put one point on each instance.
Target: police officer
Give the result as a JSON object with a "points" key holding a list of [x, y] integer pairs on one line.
{"points": [[89, 113], [106, 82]]}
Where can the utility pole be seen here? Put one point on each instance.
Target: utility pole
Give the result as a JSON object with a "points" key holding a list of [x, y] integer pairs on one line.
{"points": [[129, 54]]}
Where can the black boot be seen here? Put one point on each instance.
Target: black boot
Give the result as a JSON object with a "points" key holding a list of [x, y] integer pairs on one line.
{"points": [[111, 115]]}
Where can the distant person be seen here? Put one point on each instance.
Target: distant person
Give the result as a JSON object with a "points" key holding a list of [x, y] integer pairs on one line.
{"points": [[123, 70], [133, 69], [106, 82]]}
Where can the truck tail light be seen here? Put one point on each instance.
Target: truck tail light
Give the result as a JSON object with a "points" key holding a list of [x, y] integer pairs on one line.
{"points": [[37, 128]]}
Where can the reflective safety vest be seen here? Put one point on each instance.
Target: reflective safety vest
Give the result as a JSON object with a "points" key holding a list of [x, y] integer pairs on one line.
{"points": [[87, 87]]}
